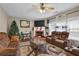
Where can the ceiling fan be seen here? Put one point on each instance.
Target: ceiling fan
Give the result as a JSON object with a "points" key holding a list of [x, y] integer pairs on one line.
{"points": [[43, 7]]}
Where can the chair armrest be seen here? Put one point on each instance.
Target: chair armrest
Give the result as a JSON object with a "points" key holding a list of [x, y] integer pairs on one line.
{"points": [[8, 51], [65, 43], [49, 39]]}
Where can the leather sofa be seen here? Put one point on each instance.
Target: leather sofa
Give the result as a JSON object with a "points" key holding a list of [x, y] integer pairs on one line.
{"points": [[59, 39], [7, 48]]}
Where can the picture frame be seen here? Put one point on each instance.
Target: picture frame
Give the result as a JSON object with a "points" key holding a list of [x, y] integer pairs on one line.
{"points": [[24, 24]]}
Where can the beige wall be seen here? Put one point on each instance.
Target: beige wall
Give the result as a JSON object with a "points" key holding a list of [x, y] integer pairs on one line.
{"points": [[3, 20]]}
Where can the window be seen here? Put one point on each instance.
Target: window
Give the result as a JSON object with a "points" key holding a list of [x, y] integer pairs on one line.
{"points": [[57, 25], [73, 27], [51, 26]]}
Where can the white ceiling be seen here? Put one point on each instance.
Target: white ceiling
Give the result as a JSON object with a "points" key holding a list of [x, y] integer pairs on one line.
{"points": [[26, 10]]}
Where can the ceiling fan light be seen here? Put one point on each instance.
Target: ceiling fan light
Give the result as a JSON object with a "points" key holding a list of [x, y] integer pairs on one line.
{"points": [[42, 11]]}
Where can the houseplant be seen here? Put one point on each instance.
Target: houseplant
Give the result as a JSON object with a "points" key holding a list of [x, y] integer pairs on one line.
{"points": [[14, 31]]}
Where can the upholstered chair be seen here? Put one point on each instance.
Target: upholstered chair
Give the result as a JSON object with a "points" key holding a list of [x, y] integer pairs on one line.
{"points": [[7, 48]]}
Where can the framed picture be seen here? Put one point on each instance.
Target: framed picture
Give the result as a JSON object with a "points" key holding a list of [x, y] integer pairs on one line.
{"points": [[24, 24]]}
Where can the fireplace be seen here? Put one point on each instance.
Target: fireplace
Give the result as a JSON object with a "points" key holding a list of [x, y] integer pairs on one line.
{"points": [[39, 31]]}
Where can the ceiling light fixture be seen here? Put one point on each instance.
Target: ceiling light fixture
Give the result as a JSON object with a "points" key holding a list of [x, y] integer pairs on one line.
{"points": [[42, 11], [44, 7]]}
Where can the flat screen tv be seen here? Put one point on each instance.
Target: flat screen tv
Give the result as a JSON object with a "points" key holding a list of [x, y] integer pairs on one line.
{"points": [[39, 23]]}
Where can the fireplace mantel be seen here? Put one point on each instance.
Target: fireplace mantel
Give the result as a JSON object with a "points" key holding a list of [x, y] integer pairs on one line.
{"points": [[39, 31]]}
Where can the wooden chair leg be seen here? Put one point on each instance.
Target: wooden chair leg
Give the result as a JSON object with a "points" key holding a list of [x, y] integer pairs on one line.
{"points": [[30, 53]]}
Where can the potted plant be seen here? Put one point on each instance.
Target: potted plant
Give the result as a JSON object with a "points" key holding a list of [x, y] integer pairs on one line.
{"points": [[14, 31]]}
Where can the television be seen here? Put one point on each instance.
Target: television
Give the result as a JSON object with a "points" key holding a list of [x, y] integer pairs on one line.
{"points": [[39, 23]]}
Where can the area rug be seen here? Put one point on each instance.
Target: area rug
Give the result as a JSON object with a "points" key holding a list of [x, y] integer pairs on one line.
{"points": [[25, 49]]}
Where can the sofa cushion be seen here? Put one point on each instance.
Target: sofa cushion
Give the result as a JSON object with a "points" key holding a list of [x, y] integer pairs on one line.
{"points": [[61, 41], [4, 40], [3, 44]]}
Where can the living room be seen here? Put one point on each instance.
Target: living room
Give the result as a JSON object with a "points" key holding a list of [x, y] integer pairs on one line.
{"points": [[24, 22]]}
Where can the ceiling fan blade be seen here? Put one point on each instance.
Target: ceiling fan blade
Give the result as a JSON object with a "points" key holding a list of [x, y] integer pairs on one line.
{"points": [[50, 7], [47, 8], [35, 6]]}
